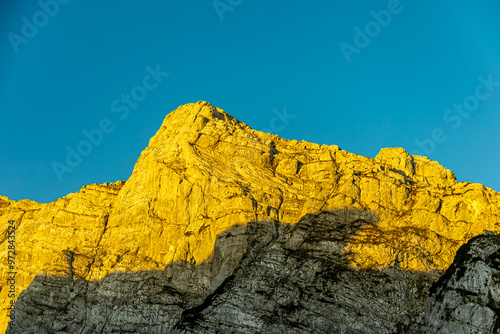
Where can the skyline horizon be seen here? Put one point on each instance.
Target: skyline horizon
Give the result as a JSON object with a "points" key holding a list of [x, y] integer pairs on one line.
{"points": [[423, 76], [73, 152]]}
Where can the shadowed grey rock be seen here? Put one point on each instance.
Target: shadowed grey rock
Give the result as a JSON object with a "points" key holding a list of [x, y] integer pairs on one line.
{"points": [[301, 283], [466, 299], [264, 277]]}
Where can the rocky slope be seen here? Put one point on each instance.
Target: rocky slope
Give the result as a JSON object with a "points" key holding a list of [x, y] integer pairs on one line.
{"points": [[466, 299], [205, 172], [265, 277]]}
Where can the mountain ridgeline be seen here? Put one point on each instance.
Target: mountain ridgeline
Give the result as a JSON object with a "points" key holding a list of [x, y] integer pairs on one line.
{"points": [[225, 229]]}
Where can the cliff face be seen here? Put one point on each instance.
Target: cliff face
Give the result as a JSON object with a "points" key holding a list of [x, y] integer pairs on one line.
{"points": [[466, 299], [204, 172], [45, 233], [265, 277]]}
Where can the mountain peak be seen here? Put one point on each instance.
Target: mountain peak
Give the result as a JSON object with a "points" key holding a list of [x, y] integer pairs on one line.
{"points": [[205, 172], [194, 112], [190, 121], [203, 109]]}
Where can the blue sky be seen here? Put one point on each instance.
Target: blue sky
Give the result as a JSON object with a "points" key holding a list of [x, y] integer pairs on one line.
{"points": [[63, 64]]}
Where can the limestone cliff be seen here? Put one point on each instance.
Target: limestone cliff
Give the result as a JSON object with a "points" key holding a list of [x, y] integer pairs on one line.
{"points": [[466, 299], [265, 277], [205, 172]]}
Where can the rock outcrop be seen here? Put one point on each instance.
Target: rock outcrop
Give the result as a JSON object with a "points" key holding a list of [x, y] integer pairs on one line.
{"points": [[264, 277], [466, 299], [205, 172], [302, 283]]}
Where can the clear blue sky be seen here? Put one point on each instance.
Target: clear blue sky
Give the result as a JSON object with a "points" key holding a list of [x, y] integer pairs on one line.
{"points": [[248, 58]]}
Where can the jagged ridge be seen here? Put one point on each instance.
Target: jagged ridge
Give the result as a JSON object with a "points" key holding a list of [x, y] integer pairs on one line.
{"points": [[204, 172]]}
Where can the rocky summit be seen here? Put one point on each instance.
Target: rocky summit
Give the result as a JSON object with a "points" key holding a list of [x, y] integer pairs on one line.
{"points": [[225, 229]]}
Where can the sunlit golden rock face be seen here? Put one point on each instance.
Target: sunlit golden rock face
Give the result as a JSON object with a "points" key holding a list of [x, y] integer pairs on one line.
{"points": [[204, 172], [46, 232]]}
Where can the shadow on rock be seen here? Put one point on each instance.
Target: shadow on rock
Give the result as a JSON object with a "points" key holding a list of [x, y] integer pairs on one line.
{"points": [[263, 277]]}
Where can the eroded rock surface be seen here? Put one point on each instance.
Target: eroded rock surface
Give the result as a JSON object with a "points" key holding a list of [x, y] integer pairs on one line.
{"points": [[205, 172], [302, 283], [264, 277], [467, 298]]}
